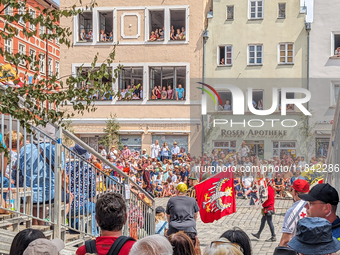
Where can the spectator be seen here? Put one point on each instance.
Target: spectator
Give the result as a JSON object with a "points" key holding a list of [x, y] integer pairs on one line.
{"points": [[164, 93], [295, 213], [313, 236], [169, 92], [164, 151], [182, 212], [152, 245], [279, 185], [322, 201], [237, 184], [239, 237], [243, 150], [222, 63], [43, 246], [153, 37], [337, 52], [180, 94], [113, 152], [126, 153], [111, 216], [144, 154], [175, 151], [23, 239], [182, 244], [267, 213], [247, 183], [161, 224], [223, 247], [82, 35], [102, 151], [155, 149], [227, 106]]}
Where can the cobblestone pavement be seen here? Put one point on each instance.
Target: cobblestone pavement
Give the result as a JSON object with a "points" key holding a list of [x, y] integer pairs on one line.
{"points": [[248, 219]]}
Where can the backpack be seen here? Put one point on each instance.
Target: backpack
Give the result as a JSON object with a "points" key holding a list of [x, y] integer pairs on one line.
{"points": [[90, 246]]}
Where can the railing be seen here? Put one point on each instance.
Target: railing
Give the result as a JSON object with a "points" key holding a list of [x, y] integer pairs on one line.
{"points": [[52, 184]]}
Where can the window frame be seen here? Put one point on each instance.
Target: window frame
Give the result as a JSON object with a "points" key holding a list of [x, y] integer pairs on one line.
{"points": [[31, 65], [10, 45], [31, 26], [256, 10], [279, 101], [286, 53], [333, 34], [220, 108], [227, 6], [333, 85], [76, 28], [56, 68], [42, 63], [50, 67], [8, 10], [225, 54], [21, 11], [119, 79], [22, 61], [220, 148], [255, 53], [285, 10]]}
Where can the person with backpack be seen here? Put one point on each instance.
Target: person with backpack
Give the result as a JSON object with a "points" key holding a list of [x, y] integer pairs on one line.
{"points": [[161, 224], [111, 216]]}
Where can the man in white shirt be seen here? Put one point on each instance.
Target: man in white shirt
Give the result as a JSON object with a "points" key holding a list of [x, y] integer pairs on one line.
{"points": [[174, 150], [244, 150], [113, 152], [302, 162], [155, 149], [247, 183], [295, 213]]}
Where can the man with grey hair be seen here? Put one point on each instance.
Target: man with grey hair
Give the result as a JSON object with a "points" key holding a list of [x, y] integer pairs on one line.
{"points": [[152, 245]]}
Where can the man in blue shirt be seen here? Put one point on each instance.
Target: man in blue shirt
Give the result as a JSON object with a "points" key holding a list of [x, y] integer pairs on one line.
{"points": [[180, 94]]}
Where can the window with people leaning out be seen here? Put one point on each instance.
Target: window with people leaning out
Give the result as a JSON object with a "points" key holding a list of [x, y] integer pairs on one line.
{"points": [[337, 45], [105, 26], [226, 99], [130, 81], [85, 27], [168, 83], [289, 107], [88, 84], [176, 31]]}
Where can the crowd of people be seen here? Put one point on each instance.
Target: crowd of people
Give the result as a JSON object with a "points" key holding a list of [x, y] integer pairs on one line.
{"points": [[158, 34], [168, 93]]}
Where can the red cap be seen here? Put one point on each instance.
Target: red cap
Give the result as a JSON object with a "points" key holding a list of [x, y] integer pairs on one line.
{"points": [[301, 185]]}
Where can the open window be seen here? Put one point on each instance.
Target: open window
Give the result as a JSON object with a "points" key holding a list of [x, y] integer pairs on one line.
{"points": [[225, 57], [42, 61], [88, 84], [258, 99], [105, 26], [156, 24], [226, 99], [131, 83], [335, 93], [289, 107], [167, 83], [85, 30], [336, 45], [177, 25]]}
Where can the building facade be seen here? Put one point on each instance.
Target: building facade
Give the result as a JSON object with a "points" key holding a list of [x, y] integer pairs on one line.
{"points": [[260, 47], [324, 71], [170, 61], [46, 51]]}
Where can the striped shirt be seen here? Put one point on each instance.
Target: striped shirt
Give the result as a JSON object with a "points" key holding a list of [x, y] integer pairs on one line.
{"points": [[293, 215]]}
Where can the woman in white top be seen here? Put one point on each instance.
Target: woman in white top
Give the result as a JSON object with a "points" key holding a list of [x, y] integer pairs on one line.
{"points": [[102, 151], [164, 152], [155, 149]]}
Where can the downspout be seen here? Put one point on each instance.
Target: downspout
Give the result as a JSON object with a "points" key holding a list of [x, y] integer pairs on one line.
{"points": [[203, 80], [308, 27]]}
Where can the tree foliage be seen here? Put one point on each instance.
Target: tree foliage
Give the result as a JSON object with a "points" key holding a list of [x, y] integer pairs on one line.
{"points": [[27, 103], [111, 136]]}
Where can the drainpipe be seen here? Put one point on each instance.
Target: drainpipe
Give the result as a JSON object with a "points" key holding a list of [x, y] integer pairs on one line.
{"points": [[308, 26], [205, 37]]}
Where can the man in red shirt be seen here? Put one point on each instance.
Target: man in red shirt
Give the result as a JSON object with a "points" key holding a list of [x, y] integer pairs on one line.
{"points": [[111, 216]]}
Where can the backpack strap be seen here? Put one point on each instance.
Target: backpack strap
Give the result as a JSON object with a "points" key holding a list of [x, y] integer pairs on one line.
{"points": [[160, 230], [90, 246], [118, 244], [336, 226]]}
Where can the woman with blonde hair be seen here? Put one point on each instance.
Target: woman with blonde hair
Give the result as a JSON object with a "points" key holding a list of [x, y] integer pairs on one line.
{"points": [[223, 247]]}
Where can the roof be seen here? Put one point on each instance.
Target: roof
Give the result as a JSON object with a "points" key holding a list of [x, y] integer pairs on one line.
{"points": [[49, 4]]}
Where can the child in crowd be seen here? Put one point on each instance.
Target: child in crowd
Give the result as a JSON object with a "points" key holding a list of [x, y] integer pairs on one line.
{"points": [[159, 191], [177, 34], [11, 167], [161, 224], [166, 190], [153, 37], [102, 36], [111, 36]]}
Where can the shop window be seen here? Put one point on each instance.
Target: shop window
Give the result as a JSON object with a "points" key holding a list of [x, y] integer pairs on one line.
{"points": [[225, 55], [85, 30], [167, 83], [134, 142], [105, 26], [336, 48], [226, 99], [130, 81], [322, 145], [289, 107], [182, 141], [177, 28], [224, 146], [88, 84], [156, 19], [281, 148]]}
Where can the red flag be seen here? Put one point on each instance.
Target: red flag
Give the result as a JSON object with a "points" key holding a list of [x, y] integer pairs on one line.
{"points": [[216, 197]]}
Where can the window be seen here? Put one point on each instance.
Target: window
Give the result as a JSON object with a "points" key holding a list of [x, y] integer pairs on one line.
{"points": [[57, 40], [258, 99], [177, 21], [322, 145], [337, 45], [57, 69], [32, 14], [50, 66], [335, 93], [88, 84], [226, 99], [289, 107], [282, 11], [91, 141], [105, 26], [42, 63], [224, 146], [256, 9], [168, 79], [41, 29], [156, 23], [50, 32], [281, 148], [225, 55], [286, 53], [134, 142], [85, 27], [33, 56], [21, 11], [230, 12], [9, 46], [129, 79], [255, 54], [182, 141], [22, 51], [9, 10]]}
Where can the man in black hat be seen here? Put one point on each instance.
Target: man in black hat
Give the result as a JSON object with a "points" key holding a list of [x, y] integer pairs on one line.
{"points": [[322, 201]]}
